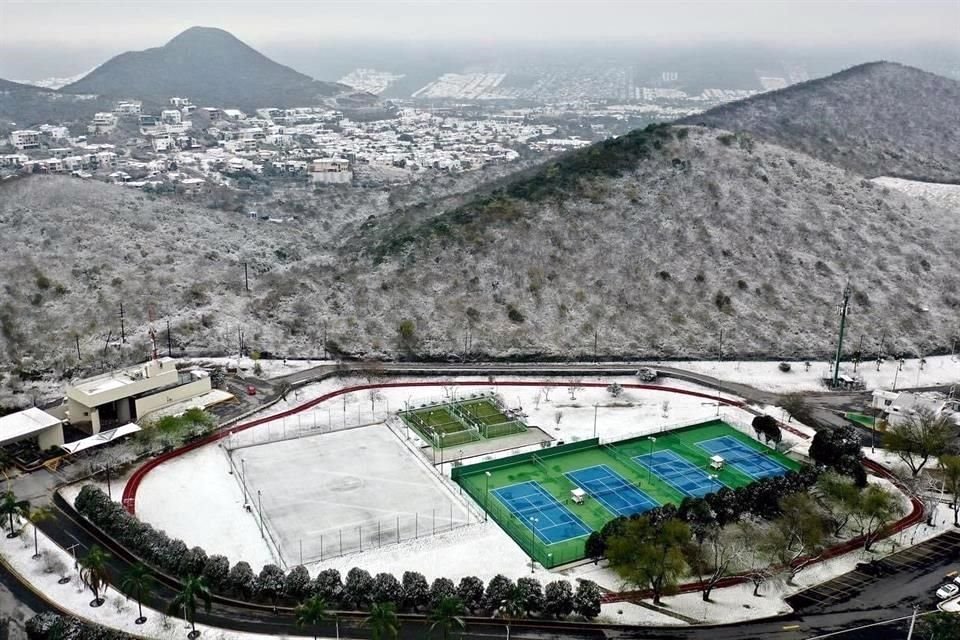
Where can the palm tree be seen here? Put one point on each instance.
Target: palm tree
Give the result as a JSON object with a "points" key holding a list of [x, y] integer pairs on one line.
{"points": [[193, 588], [36, 516], [138, 582], [10, 506], [94, 572], [513, 606], [383, 621], [311, 612], [447, 616]]}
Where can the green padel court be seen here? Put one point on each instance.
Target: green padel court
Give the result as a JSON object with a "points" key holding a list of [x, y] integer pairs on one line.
{"points": [[456, 422], [549, 501]]}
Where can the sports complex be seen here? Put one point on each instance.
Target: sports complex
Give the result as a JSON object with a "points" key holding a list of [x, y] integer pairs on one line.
{"points": [[550, 501]]}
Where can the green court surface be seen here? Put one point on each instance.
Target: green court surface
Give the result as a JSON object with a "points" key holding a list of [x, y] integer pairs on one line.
{"points": [[862, 419], [663, 482], [460, 421]]}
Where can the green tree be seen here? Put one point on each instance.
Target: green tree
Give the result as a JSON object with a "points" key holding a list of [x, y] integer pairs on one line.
{"points": [[11, 507], [94, 572], [447, 616], [311, 612], [876, 508], [838, 496], [918, 438], [650, 555], [795, 538], [407, 332], [950, 467], [939, 626], [194, 590], [513, 605], [382, 621], [37, 515], [711, 557], [138, 582]]}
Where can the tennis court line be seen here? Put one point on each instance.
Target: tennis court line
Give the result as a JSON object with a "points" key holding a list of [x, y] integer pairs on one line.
{"points": [[680, 468], [621, 490], [561, 518], [756, 460]]}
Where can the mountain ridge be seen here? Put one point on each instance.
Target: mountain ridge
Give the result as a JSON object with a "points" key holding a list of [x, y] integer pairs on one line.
{"points": [[877, 118]]}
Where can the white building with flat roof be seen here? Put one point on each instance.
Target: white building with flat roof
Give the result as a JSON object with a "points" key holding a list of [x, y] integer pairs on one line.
{"points": [[25, 139], [32, 423], [123, 396]]}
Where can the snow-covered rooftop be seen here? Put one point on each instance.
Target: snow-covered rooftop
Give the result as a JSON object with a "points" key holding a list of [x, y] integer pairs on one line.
{"points": [[25, 423]]}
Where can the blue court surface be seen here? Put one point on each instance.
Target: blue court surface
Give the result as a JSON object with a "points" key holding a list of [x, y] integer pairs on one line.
{"points": [[554, 522], [743, 458], [610, 489], [679, 473]]}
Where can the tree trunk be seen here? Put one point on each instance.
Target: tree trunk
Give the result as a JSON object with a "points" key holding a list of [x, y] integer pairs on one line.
{"points": [[36, 543], [756, 588]]}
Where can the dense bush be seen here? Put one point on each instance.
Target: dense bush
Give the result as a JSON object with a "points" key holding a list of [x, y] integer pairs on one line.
{"points": [[241, 580], [386, 588], [470, 593], [53, 626], [296, 585], [357, 588], [328, 586], [416, 591], [269, 584], [441, 589]]}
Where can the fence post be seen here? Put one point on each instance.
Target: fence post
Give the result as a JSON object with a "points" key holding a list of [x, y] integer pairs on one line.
{"points": [[321, 546], [340, 532], [398, 528], [416, 524]]}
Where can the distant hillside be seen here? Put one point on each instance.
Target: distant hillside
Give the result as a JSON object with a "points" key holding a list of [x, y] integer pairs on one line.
{"points": [[27, 105], [653, 242], [212, 68], [875, 119]]}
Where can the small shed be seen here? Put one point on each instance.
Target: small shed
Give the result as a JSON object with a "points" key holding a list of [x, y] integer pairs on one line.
{"points": [[578, 495], [33, 423], [716, 462]]}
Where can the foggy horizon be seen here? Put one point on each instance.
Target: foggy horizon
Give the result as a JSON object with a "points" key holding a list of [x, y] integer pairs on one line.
{"points": [[80, 27]]}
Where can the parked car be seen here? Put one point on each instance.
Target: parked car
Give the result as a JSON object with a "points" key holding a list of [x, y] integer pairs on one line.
{"points": [[647, 374], [948, 591]]}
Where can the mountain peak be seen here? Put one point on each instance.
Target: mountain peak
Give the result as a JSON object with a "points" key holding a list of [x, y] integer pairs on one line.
{"points": [[210, 66]]}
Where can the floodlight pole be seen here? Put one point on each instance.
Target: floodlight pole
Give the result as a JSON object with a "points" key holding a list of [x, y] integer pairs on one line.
{"points": [[486, 495], [594, 420], [533, 540], [652, 439], [843, 321], [260, 510]]}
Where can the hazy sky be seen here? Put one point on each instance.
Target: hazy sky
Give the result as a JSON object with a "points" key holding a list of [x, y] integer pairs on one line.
{"points": [[126, 24]]}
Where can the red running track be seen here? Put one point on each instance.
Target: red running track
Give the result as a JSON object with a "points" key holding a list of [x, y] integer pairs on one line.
{"points": [[130, 490]]}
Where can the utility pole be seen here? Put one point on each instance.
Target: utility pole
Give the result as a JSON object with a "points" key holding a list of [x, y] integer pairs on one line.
{"points": [[596, 339], [169, 341], [123, 336], [246, 278], [913, 621], [720, 346], [843, 321], [324, 339], [77, 338]]}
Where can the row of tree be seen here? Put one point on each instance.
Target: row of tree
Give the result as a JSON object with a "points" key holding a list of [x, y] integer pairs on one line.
{"points": [[358, 590], [707, 539]]}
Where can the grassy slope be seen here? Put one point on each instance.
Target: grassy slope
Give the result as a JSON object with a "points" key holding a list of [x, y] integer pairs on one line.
{"points": [[875, 119]]}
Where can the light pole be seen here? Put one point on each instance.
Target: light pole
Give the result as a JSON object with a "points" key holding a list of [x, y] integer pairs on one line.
{"points": [[533, 540], [652, 439], [260, 510], [873, 437], [594, 420], [486, 494]]}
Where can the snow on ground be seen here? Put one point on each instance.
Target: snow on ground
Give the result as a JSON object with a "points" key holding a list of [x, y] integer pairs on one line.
{"points": [[117, 612], [202, 481], [271, 368], [197, 498], [939, 370], [945, 195]]}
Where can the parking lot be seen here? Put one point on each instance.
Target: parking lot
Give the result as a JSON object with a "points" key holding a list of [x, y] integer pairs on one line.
{"points": [[929, 556]]}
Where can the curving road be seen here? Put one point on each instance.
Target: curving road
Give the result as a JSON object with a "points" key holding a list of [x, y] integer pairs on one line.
{"points": [[67, 530]]}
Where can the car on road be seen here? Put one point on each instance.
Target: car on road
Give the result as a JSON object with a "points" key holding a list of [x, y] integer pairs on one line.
{"points": [[948, 591], [646, 374]]}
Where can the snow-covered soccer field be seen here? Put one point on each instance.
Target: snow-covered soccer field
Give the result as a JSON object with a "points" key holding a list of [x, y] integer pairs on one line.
{"points": [[328, 495]]}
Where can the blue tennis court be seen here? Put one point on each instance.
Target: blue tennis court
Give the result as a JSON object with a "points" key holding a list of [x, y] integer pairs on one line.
{"points": [[743, 458], [610, 489], [679, 473], [553, 521]]}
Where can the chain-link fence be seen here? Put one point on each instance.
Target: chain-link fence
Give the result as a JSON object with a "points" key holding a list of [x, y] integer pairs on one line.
{"points": [[306, 424]]}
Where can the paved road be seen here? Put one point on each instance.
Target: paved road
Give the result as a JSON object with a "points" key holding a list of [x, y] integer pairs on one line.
{"points": [[891, 601]]}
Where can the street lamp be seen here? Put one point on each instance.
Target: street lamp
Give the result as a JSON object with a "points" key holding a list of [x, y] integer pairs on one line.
{"points": [[260, 509], [533, 540], [652, 439], [486, 494]]}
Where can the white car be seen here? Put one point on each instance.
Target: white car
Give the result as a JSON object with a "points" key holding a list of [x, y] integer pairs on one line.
{"points": [[948, 591]]}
